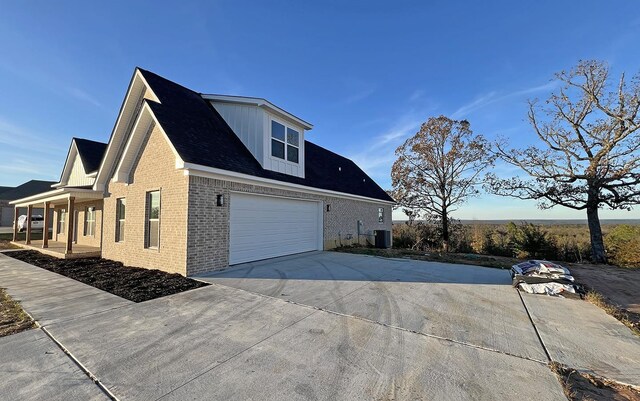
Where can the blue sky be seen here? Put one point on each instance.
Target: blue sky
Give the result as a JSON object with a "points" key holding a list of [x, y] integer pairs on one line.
{"points": [[365, 73]]}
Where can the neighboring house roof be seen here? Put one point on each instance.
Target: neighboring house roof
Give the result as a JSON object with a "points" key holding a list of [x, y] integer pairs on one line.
{"points": [[27, 189], [201, 136], [91, 153], [4, 189]]}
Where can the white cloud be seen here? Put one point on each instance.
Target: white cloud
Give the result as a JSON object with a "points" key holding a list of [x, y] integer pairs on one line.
{"points": [[494, 97], [357, 96], [83, 96], [16, 137]]}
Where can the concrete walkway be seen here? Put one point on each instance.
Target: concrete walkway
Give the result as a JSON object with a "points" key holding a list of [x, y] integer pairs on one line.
{"points": [[33, 366], [583, 336], [50, 297]]}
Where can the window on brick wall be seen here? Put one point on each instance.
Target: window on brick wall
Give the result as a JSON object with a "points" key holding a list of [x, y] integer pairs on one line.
{"points": [[121, 206], [89, 221], [62, 217], [152, 232]]}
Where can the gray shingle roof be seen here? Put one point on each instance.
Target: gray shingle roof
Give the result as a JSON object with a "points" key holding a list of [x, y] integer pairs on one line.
{"points": [[29, 188], [201, 136]]}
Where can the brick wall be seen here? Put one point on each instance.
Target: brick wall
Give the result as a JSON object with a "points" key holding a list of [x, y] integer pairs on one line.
{"points": [[155, 170], [208, 230], [82, 239]]}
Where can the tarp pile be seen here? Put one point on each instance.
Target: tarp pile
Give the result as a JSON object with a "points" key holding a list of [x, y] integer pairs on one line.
{"points": [[543, 277]]}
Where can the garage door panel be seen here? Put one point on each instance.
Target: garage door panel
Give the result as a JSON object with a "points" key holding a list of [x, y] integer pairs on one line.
{"points": [[264, 227]]}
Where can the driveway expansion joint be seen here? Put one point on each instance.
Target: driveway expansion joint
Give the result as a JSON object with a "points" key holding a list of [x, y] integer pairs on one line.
{"points": [[535, 328], [83, 368]]}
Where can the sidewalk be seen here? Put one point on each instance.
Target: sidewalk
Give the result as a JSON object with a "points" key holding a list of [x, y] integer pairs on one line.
{"points": [[33, 367], [50, 297]]}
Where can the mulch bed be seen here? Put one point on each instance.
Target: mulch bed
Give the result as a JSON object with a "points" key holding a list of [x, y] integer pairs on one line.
{"points": [[133, 283]]}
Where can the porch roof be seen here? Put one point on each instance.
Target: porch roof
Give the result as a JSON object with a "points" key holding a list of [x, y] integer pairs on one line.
{"points": [[59, 195]]}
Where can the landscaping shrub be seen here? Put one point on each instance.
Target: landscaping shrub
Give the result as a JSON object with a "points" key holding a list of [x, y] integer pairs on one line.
{"points": [[623, 245]]}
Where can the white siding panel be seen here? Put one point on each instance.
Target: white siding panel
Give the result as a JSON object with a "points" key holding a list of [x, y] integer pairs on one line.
{"points": [[78, 177], [247, 123], [265, 227]]}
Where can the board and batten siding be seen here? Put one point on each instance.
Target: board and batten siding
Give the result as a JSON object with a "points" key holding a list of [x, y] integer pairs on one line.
{"points": [[78, 177], [248, 124]]}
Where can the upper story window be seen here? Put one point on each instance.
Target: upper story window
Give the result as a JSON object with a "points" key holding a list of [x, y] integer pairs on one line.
{"points": [[285, 142]]}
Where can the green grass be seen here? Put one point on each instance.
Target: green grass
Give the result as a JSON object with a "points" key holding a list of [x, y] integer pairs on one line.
{"points": [[36, 235]]}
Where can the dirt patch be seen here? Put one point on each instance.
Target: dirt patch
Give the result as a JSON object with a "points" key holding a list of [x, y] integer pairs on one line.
{"points": [[580, 386], [621, 286], [12, 318], [498, 262], [132, 283], [4, 244]]}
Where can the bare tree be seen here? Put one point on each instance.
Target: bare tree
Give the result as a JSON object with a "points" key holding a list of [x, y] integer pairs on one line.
{"points": [[590, 148], [438, 169]]}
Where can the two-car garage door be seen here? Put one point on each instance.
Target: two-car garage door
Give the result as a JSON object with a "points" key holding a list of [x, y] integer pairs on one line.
{"points": [[264, 227]]}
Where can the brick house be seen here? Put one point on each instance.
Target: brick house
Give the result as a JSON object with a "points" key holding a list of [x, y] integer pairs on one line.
{"points": [[191, 183]]}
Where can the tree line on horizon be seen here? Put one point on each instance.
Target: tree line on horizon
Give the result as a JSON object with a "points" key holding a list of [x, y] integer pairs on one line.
{"points": [[587, 157]]}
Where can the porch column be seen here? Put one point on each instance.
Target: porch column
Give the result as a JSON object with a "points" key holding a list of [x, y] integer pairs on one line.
{"points": [[70, 216], [45, 229], [15, 224], [29, 214]]}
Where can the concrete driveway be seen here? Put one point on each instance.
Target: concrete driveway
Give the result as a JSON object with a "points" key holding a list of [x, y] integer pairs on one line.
{"points": [[320, 326]]}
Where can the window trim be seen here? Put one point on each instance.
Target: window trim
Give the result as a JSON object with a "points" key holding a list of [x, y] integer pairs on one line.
{"points": [[89, 223], [119, 237], [148, 220], [285, 142], [381, 215]]}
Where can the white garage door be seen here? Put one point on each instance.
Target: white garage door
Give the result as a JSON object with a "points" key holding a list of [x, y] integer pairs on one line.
{"points": [[265, 227]]}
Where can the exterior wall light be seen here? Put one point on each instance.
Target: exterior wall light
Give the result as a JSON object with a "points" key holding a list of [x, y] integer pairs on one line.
{"points": [[220, 200]]}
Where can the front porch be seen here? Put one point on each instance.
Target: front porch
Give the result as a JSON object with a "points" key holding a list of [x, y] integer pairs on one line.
{"points": [[74, 230], [58, 249]]}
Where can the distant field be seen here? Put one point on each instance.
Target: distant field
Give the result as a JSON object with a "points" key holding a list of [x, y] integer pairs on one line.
{"points": [[546, 222]]}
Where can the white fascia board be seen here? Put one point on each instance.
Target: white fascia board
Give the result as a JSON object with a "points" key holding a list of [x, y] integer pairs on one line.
{"points": [[56, 194], [260, 102], [122, 172], [210, 172], [100, 185], [68, 164]]}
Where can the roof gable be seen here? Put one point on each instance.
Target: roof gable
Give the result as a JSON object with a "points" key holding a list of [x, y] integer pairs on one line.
{"points": [[200, 136], [91, 153]]}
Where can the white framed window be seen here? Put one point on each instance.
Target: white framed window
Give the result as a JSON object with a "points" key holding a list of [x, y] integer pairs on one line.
{"points": [[62, 218], [380, 215], [121, 206], [152, 232], [285, 142], [89, 221]]}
